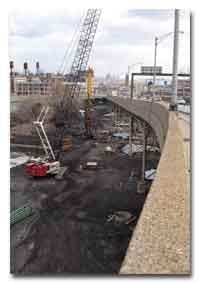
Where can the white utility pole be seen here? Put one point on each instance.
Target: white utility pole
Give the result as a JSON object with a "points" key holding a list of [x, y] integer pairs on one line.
{"points": [[173, 104], [155, 57]]}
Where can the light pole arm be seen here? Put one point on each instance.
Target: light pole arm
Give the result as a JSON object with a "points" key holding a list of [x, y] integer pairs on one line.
{"points": [[158, 40]]}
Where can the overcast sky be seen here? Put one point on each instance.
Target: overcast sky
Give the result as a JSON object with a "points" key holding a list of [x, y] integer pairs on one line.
{"points": [[124, 37]]}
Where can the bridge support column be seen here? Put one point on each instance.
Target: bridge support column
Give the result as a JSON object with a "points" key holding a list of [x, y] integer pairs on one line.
{"points": [[119, 116], [115, 115], [141, 184], [131, 136], [132, 85], [117, 120], [144, 151]]}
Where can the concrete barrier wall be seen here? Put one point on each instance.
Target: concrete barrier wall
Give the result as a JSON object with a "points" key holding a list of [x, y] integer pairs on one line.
{"points": [[161, 241]]}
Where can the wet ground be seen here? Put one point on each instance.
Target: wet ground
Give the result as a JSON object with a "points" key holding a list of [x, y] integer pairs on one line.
{"points": [[71, 231]]}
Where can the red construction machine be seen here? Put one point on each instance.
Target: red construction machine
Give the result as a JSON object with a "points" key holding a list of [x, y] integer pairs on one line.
{"points": [[42, 166]]}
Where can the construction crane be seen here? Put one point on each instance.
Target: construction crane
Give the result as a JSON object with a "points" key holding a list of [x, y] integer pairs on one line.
{"points": [[88, 117], [83, 50], [42, 166], [78, 69], [79, 63]]}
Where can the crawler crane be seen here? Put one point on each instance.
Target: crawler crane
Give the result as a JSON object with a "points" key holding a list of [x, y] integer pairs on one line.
{"points": [[42, 166]]}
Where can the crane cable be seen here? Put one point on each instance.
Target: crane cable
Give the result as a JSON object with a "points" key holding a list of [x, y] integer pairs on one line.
{"points": [[73, 44], [63, 63], [69, 48]]}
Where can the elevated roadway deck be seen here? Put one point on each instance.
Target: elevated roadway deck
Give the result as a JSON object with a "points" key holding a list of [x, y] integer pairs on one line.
{"points": [[161, 241]]}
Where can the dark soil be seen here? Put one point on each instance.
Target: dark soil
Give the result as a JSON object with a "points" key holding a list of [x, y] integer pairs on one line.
{"points": [[70, 232]]}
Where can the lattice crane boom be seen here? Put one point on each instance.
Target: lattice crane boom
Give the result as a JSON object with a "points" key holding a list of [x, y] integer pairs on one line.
{"points": [[82, 54]]}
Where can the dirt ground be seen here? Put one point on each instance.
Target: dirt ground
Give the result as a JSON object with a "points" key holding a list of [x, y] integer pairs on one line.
{"points": [[70, 231]]}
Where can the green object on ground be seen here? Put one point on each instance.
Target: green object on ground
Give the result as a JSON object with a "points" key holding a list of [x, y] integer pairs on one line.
{"points": [[20, 214]]}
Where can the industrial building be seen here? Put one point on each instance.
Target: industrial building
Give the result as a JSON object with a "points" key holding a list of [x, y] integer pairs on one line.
{"points": [[33, 86]]}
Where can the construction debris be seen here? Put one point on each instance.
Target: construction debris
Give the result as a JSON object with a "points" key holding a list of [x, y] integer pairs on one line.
{"points": [[109, 149], [139, 148], [122, 135], [150, 174], [109, 114], [135, 148], [67, 143], [82, 112], [91, 165], [121, 217], [142, 187], [61, 172], [20, 214]]}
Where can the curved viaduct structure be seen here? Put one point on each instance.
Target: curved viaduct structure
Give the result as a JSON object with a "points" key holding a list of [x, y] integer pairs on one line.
{"points": [[161, 241]]}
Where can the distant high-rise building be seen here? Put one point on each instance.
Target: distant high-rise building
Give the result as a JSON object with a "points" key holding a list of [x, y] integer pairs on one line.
{"points": [[126, 80]]}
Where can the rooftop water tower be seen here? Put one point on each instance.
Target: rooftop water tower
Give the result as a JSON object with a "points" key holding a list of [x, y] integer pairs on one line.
{"points": [[11, 77], [11, 67], [25, 68]]}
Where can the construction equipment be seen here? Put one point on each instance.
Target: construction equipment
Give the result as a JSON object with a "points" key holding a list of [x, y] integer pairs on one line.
{"points": [[90, 165], [38, 167], [87, 34], [20, 214], [48, 164], [79, 65], [88, 117], [67, 143], [66, 104]]}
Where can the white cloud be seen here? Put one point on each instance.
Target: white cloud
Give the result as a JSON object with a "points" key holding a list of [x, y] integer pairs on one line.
{"points": [[122, 39]]}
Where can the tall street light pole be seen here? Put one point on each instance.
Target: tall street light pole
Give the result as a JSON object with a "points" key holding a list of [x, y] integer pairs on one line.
{"points": [[173, 104]]}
